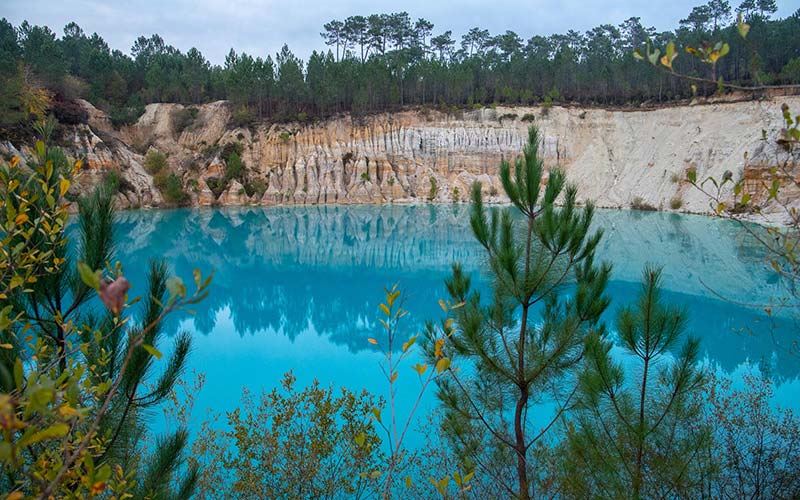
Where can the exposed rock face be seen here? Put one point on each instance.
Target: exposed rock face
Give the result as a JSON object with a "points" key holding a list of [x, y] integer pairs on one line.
{"points": [[614, 157]]}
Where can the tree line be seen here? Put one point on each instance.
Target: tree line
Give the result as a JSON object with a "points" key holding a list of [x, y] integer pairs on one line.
{"points": [[383, 61]]}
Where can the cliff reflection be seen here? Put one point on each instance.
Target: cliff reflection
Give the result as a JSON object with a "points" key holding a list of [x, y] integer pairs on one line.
{"points": [[287, 268]]}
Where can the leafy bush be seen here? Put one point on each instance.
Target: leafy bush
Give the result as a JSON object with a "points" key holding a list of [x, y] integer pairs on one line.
{"points": [[117, 184], [234, 167], [171, 188], [434, 189], [125, 115], [676, 202], [528, 117], [256, 187], [231, 148], [69, 112], [456, 194], [217, 185], [155, 161], [365, 176], [242, 117], [508, 116], [291, 443], [182, 118]]}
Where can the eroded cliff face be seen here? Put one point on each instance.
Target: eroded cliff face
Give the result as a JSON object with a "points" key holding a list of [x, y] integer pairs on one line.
{"points": [[615, 157]]}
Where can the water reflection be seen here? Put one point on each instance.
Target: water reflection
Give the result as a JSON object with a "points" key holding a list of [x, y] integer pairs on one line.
{"points": [[322, 269]]}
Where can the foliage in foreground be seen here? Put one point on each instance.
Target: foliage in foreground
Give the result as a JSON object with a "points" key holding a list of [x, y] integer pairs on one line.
{"points": [[73, 401]]}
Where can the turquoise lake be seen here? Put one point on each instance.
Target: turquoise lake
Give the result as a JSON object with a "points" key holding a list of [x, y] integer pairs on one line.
{"points": [[298, 288]]}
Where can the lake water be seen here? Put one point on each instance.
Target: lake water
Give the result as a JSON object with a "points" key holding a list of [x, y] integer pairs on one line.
{"points": [[298, 288]]}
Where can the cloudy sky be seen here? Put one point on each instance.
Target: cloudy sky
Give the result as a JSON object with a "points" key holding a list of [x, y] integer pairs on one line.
{"points": [[260, 27]]}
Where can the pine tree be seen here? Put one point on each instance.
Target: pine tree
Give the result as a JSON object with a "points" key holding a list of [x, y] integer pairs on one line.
{"points": [[524, 345], [54, 304], [636, 434]]}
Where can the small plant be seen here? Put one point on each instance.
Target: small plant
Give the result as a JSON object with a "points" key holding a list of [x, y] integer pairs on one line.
{"points": [[638, 203], [582, 116], [234, 167], [492, 191], [171, 188], [365, 176], [284, 137], [676, 202], [675, 178], [155, 161], [230, 149], [182, 119], [456, 197], [434, 189], [508, 116], [391, 181], [242, 117], [256, 187], [528, 117]]}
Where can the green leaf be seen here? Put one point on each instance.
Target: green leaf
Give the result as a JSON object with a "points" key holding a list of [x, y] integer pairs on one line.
{"points": [[152, 350], [691, 174], [55, 431], [88, 276], [360, 439]]}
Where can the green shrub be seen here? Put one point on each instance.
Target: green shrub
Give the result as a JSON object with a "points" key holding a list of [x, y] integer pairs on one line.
{"points": [[171, 188], [231, 148], [434, 189], [216, 185], [182, 118], [347, 157], [116, 183], [234, 167], [364, 176], [155, 161], [676, 202], [256, 187], [242, 117], [508, 116], [456, 194], [528, 117]]}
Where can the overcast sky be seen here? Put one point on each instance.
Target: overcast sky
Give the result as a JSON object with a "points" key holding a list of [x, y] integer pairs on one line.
{"points": [[260, 27]]}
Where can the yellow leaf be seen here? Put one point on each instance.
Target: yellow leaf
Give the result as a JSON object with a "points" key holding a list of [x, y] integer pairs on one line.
{"points": [[408, 481], [393, 377], [442, 365], [372, 341], [385, 310], [442, 305], [16, 495], [64, 186], [14, 161], [6, 346], [438, 350], [420, 369], [409, 343], [21, 219]]}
